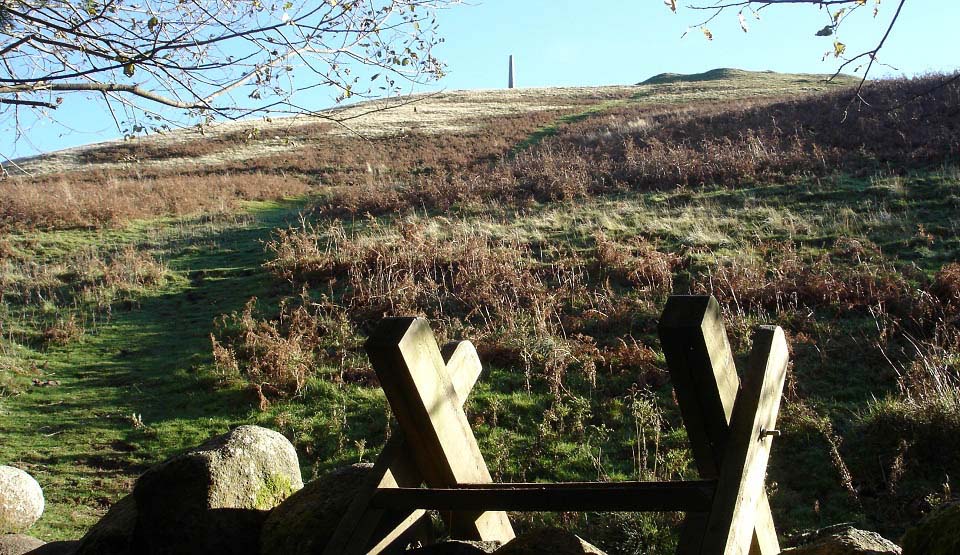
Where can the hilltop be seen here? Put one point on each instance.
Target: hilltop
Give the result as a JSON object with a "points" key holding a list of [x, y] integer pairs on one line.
{"points": [[741, 76], [156, 292], [718, 74], [448, 111]]}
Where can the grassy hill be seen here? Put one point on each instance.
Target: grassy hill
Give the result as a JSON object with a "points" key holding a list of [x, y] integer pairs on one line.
{"points": [[158, 291]]}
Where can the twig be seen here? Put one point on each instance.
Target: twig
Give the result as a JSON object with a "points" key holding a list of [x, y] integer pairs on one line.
{"points": [[873, 57]]}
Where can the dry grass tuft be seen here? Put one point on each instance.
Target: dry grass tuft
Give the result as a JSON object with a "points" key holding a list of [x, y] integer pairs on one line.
{"points": [[946, 287], [63, 297], [640, 264], [775, 278], [546, 313], [63, 203]]}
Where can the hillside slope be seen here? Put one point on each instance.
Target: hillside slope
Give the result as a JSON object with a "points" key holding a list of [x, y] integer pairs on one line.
{"points": [[157, 291], [444, 112]]}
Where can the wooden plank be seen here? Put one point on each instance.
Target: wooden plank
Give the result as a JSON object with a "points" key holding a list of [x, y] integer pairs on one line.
{"points": [[703, 373], [577, 496], [463, 366], [704, 376], [407, 361], [395, 467], [638, 486], [396, 532], [360, 523], [730, 527]]}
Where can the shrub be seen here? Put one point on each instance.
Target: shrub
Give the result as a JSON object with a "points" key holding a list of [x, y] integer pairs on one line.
{"points": [[65, 295], [946, 287], [279, 356]]}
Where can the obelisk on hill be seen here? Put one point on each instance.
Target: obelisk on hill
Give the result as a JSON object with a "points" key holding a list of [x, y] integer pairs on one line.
{"points": [[510, 77]]}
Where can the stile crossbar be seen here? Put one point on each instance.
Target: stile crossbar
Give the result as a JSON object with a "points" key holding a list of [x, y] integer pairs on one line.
{"points": [[687, 496], [730, 424]]}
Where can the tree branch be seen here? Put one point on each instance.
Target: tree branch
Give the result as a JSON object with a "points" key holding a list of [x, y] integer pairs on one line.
{"points": [[32, 103], [102, 87], [188, 53], [872, 54], [767, 2]]}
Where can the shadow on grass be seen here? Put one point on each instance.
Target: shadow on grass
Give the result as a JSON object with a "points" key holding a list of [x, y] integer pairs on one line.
{"points": [[137, 388]]}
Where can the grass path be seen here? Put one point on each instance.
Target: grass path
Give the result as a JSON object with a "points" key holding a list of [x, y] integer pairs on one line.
{"points": [[85, 445]]}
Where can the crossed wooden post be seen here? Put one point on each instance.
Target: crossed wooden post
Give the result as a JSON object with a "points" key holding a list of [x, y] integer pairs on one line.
{"points": [[730, 425]]}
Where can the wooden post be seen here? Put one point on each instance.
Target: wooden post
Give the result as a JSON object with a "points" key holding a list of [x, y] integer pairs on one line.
{"points": [[408, 363], [705, 380], [362, 523], [740, 487]]}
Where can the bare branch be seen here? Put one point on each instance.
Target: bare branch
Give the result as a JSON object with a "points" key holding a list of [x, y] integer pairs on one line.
{"points": [[32, 103], [192, 55], [102, 87], [872, 54], [768, 2]]}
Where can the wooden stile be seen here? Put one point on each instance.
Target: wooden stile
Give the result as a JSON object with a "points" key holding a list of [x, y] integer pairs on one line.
{"points": [[727, 423]]}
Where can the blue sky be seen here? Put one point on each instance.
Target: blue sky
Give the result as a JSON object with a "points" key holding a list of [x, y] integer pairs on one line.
{"points": [[606, 42]]}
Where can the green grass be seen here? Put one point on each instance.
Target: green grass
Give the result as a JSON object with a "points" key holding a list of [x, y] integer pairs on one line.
{"points": [[553, 128], [130, 391], [139, 387]]}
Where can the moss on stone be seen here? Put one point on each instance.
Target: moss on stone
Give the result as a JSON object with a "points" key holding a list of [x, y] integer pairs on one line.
{"points": [[304, 523], [275, 489]]}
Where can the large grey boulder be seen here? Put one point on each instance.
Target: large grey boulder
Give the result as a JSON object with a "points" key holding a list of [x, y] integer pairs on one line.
{"points": [[21, 500], [249, 467], [18, 544], [113, 534], [56, 548], [844, 540], [548, 541], [210, 500], [937, 534], [305, 522]]}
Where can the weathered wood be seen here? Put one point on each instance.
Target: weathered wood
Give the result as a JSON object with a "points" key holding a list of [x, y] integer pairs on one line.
{"points": [[727, 511], [571, 496], [386, 538], [703, 373], [705, 380], [740, 486], [408, 363], [362, 524]]}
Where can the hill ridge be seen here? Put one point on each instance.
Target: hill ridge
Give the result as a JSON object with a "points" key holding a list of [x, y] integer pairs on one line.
{"points": [[715, 74]]}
